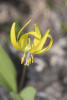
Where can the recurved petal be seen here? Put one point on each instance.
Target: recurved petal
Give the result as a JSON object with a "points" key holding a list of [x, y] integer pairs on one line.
{"points": [[23, 28], [47, 48], [41, 43], [37, 30], [36, 40], [13, 37], [33, 34]]}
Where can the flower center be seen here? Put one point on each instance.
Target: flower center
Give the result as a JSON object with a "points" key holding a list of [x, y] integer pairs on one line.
{"points": [[27, 59]]}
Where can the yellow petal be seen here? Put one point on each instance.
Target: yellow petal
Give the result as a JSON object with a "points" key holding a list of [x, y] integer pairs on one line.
{"points": [[41, 43], [47, 48], [36, 34], [37, 30], [23, 28], [33, 34], [36, 40], [13, 37], [25, 42], [28, 46], [25, 36]]}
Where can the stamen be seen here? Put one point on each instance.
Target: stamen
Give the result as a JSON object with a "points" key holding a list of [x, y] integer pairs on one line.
{"points": [[28, 62], [24, 55], [32, 58], [23, 59], [27, 59]]}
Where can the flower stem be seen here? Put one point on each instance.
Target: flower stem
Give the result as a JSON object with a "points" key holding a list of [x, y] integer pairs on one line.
{"points": [[21, 84]]}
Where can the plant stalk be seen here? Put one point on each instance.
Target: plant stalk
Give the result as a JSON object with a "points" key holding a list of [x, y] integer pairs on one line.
{"points": [[21, 84]]}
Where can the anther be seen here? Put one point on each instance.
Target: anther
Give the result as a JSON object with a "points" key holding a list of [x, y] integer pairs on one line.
{"points": [[32, 59], [23, 58]]}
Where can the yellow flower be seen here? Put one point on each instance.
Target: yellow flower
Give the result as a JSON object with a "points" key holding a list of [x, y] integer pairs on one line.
{"points": [[23, 42]]}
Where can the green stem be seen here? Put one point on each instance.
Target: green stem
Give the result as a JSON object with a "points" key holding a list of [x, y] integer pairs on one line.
{"points": [[21, 84]]}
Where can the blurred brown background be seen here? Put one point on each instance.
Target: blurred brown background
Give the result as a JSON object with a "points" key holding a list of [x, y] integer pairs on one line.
{"points": [[48, 74]]}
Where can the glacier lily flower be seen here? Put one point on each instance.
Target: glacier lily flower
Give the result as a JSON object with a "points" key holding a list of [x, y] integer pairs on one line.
{"points": [[22, 42]]}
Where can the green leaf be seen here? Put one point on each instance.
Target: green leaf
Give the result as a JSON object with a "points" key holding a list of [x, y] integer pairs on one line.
{"points": [[2, 82], [7, 72], [15, 96], [28, 93]]}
